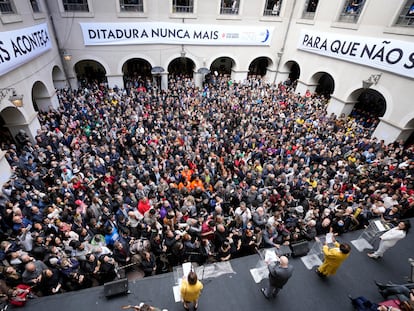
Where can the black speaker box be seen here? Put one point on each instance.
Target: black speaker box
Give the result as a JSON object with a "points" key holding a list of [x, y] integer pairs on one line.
{"points": [[300, 249], [284, 250], [114, 288]]}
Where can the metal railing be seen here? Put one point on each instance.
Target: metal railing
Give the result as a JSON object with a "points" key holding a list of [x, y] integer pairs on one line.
{"points": [[308, 15], [71, 6], [404, 20], [6, 7], [349, 17], [270, 12], [35, 6], [183, 8], [230, 11], [125, 7]]}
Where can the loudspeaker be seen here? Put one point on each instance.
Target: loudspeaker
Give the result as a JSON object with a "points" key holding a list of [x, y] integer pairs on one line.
{"points": [[283, 250], [118, 287], [300, 248]]}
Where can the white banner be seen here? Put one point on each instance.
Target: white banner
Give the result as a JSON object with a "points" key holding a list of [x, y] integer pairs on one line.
{"points": [[386, 54], [17, 47], [173, 33]]}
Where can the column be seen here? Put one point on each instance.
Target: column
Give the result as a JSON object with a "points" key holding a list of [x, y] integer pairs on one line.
{"points": [[73, 82], [302, 87], [270, 76], [198, 79], [164, 81], [5, 169], [390, 132], [30, 127], [238, 76], [338, 106], [281, 76], [115, 80], [60, 84], [45, 103]]}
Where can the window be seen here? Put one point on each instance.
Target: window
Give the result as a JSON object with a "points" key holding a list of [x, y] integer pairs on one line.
{"points": [[76, 5], [272, 8], [131, 5], [35, 6], [229, 7], [406, 17], [6, 7], [183, 6], [310, 9], [351, 11]]}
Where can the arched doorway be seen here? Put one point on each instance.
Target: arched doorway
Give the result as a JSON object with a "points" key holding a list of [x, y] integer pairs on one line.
{"points": [[59, 79], [181, 66], [40, 97], [325, 84], [410, 140], [294, 70], [8, 117], [90, 72], [222, 66], [258, 67], [137, 72], [369, 107]]}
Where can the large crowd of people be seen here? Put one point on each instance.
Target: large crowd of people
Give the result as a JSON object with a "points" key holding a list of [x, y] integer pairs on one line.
{"points": [[119, 179]]}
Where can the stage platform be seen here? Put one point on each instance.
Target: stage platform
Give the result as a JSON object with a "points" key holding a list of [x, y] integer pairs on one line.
{"points": [[235, 288]]}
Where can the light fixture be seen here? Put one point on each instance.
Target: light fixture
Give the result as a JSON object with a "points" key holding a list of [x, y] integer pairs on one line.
{"points": [[182, 53], [67, 56], [372, 80], [15, 99]]}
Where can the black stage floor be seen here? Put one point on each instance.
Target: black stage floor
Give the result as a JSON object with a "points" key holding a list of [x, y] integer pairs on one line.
{"points": [[238, 291]]}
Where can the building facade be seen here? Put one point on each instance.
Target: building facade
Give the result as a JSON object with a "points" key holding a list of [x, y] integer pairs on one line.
{"points": [[357, 52]]}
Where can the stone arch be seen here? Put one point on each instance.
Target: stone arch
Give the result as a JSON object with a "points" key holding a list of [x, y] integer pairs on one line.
{"points": [[369, 105], [289, 72], [223, 65], [181, 66], [89, 72], [324, 83], [11, 119], [40, 97], [58, 77], [259, 65], [136, 71]]}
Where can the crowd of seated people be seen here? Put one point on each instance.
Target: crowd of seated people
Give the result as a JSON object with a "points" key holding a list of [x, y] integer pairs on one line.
{"points": [[119, 179]]}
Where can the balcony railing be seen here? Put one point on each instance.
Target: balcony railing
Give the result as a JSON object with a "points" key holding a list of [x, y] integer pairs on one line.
{"points": [[404, 20], [348, 17], [132, 7], [270, 12], [35, 6], [6, 7], [230, 11], [183, 8], [70, 6], [308, 15]]}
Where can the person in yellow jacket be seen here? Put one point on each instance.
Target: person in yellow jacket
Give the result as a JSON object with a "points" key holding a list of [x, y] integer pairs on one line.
{"points": [[334, 257], [190, 290]]}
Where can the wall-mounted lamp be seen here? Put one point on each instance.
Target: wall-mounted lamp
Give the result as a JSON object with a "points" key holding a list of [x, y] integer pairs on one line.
{"points": [[372, 80], [182, 53], [15, 99], [67, 56]]}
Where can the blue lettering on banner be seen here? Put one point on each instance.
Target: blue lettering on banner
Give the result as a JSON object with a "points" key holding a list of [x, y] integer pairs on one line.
{"points": [[384, 52], [27, 43], [133, 33]]}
